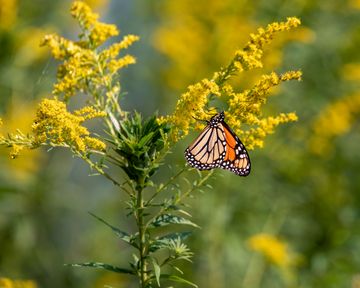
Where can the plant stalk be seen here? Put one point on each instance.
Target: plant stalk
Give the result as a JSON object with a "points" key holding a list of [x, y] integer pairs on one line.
{"points": [[142, 235]]}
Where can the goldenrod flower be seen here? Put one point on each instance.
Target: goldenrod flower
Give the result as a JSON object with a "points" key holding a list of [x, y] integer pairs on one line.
{"points": [[244, 108], [8, 283], [55, 125], [212, 36], [250, 56], [335, 120], [191, 105], [83, 13], [16, 149], [273, 249], [84, 68]]}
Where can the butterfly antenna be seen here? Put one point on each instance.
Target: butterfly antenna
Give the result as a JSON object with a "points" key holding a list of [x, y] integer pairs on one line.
{"points": [[201, 120]]}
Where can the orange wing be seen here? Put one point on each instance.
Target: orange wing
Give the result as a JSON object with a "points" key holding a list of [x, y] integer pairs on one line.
{"points": [[236, 158]]}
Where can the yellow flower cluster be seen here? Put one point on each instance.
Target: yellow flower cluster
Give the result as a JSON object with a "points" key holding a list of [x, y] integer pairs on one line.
{"points": [[96, 32], [8, 283], [244, 107], [56, 126], [335, 120], [191, 106], [83, 67], [214, 35], [250, 56], [273, 249]]}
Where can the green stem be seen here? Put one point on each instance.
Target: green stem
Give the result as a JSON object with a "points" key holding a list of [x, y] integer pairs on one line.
{"points": [[142, 234]]}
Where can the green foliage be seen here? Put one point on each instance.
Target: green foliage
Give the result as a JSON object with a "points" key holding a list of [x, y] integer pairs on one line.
{"points": [[139, 145]]}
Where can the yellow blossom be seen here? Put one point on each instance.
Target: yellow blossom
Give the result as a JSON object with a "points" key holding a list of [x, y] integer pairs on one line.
{"points": [[96, 32], [84, 68], [191, 106], [117, 64], [55, 125], [16, 149], [114, 50], [214, 35], [83, 13], [8, 13], [60, 47], [101, 32], [273, 249], [250, 56], [244, 107], [335, 120], [8, 283]]}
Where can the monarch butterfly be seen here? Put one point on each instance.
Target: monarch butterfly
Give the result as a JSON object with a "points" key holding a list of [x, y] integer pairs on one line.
{"points": [[218, 146]]}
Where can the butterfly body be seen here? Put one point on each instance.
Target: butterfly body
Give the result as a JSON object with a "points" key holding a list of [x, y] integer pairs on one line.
{"points": [[217, 146]]}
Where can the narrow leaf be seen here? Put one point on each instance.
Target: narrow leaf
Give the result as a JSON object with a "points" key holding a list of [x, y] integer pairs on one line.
{"points": [[157, 270], [121, 234], [103, 266], [178, 280], [145, 139], [167, 219]]}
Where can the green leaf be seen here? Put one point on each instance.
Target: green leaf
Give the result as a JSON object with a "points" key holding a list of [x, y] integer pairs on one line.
{"points": [[121, 234], [145, 139], [167, 219], [157, 270], [165, 241], [178, 279], [103, 266]]}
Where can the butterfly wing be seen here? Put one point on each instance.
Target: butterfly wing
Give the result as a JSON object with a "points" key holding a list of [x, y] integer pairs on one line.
{"points": [[236, 158], [208, 150]]}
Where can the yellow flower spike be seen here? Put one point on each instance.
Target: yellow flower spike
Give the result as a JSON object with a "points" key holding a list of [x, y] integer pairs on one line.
{"points": [[117, 64], [56, 126], [114, 50], [250, 56], [60, 47], [98, 32], [101, 32], [16, 149], [83, 13], [244, 107], [191, 105], [84, 68]]}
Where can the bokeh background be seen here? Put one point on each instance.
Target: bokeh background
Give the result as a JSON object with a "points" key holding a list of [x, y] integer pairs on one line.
{"points": [[304, 188]]}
